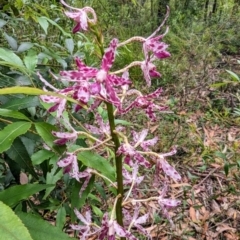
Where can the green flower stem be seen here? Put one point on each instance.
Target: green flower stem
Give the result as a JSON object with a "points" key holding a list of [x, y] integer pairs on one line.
{"points": [[115, 139], [118, 160]]}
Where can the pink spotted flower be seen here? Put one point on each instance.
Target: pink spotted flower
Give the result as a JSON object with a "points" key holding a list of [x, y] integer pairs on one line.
{"points": [[80, 16], [153, 43], [110, 229], [131, 153], [147, 103], [99, 81]]}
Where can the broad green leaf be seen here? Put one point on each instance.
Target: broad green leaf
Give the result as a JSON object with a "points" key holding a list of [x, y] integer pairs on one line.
{"points": [[233, 75], [40, 229], [60, 28], [18, 153], [13, 114], [31, 60], [10, 132], [11, 227], [33, 91], [98, 163], [13, 195], [11, 41], [2, 23], [25, 46], [21, 103], [97, 211], [61, 217], [69, 44], [10, 57], [43, 23], [45, 131], [40, 156]]}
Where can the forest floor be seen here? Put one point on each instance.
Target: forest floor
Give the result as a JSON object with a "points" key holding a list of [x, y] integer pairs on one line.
{"points": [[207, 134]]}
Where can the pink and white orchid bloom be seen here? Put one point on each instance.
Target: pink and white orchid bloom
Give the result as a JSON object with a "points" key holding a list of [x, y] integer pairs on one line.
{"points": [[80, 16], [110, 228], [167, 203], [163, 165], [85, 230], [149, 71], [153, 44], [136, 221], [103, 83], [146, 103], [64, 137], [130, 152], [70, 165]]}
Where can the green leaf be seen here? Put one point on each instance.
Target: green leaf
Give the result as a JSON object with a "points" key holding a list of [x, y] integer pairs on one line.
{"points": [[33, 91], [77, 202], [2, 23], [25, 46], [60, 28], [97, 211], [10, 57], [233, 75], [31, 60], [40, 156], [43, 23], [53, 176], [220, 155], [13, 114], [11, 41], [226, 168], [13, 195], [98, 163], [11, 227], [22, 103], [69, 44], [45, 131], [10, 132], [61, 217], [19, 154], [40, 229]]}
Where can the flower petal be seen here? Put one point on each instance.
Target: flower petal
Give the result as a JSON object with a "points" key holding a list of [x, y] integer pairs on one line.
{"points": [[109, 55]]}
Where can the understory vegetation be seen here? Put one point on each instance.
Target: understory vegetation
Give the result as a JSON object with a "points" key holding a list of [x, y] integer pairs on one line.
{"points": [[198, 126]]}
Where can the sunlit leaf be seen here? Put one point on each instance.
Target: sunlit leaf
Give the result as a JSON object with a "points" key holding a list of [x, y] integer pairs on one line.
{"points": [[11, 227], [40, 229], [10, 57], [25, 46], [43, 23], [31, 60], [69, 43], [11, 41], [2, 23], [33, 91], [233, 75]]}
